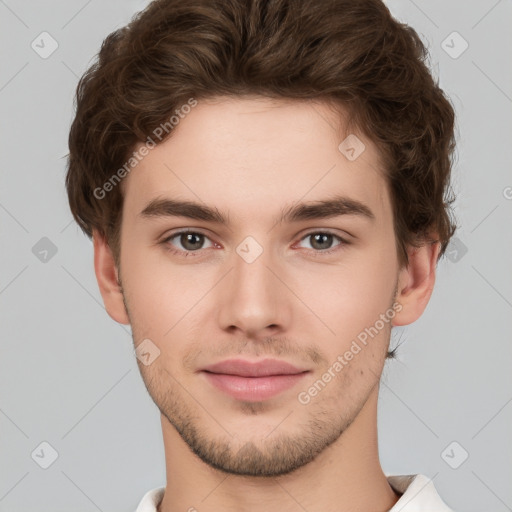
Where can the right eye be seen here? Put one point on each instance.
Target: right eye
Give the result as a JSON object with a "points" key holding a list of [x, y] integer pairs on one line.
{"points": [[191, 241]]}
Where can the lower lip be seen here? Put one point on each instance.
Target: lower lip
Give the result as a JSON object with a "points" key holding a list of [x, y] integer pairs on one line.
{"points": [[254, 389]]}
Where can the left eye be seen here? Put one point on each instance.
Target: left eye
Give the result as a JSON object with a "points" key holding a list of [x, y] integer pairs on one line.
{"points": [[322, 241]]}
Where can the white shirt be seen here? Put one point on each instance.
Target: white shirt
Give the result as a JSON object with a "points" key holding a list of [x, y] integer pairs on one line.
{"points": [[418, 495]]}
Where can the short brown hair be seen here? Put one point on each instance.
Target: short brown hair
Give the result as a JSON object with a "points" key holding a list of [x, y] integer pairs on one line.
{"points": [[350, 52]]}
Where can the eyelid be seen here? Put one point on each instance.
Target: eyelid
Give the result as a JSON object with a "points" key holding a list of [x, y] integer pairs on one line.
{"points": [[183, 231], [342, 241], [345, 236]]}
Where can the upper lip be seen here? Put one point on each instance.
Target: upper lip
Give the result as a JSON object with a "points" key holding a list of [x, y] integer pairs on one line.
{"points": [[263, 368]]}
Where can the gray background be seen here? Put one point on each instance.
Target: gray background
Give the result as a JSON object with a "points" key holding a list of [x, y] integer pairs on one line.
{"points": [[68, 374]]}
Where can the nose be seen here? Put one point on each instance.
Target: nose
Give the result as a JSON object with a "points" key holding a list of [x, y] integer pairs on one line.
{"points": [[254, 299]]}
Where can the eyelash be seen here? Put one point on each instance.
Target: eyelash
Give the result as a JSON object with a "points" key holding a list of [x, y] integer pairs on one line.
{"points": [[316, 253]]}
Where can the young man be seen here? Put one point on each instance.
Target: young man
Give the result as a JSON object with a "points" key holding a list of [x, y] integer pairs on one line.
{"points": [[266, 186]]}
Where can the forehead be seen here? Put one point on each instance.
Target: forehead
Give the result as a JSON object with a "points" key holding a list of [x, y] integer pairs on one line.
{"points": [[253, 156]]}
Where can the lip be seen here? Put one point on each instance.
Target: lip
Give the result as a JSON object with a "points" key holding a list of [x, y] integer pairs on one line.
{"points": [[262, 368], [253, 382]]}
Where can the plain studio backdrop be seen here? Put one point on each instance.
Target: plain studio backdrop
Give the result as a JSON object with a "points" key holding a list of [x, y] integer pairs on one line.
{"points": [[69, 383]]}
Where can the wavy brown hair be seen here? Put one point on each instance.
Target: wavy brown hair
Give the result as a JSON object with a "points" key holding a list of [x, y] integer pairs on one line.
{"points": [[352, 53]]}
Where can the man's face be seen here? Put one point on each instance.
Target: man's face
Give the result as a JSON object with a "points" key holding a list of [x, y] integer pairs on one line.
{"points": [[256, 288]]}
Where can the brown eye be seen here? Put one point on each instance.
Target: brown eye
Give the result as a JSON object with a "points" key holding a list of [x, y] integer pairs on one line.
{"points": [[185, 242], [191, 241]]}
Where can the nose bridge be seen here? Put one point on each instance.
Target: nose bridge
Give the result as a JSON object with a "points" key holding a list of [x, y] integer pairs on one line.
{"points": [[252, 278], [253, 298]]}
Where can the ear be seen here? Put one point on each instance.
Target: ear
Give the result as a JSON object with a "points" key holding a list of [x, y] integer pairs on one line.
{"points": [[107, 277], [416, 283]]}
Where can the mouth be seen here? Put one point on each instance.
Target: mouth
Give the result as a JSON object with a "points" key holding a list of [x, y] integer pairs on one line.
{"points": [[253, 382]]}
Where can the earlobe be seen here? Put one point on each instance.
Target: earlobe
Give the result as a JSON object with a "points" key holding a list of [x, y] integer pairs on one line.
{"points": [[416, 283], [107, 277]]}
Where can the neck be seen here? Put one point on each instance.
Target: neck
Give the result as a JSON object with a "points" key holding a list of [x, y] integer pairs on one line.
{"points": [[346, 476]]}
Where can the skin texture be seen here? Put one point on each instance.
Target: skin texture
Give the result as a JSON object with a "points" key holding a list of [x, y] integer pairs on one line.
{"points": [[250, 158]]}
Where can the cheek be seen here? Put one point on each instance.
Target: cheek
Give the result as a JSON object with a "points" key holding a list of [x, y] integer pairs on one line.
{"points": [[351, 297], [165, 299], [152, 296], [355, 305]]}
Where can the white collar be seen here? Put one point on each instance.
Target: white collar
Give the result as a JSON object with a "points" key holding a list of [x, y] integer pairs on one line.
{"points": [[418, 495]]}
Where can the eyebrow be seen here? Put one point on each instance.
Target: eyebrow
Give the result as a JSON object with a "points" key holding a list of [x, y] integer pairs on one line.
{"points": [[320, 209]]}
